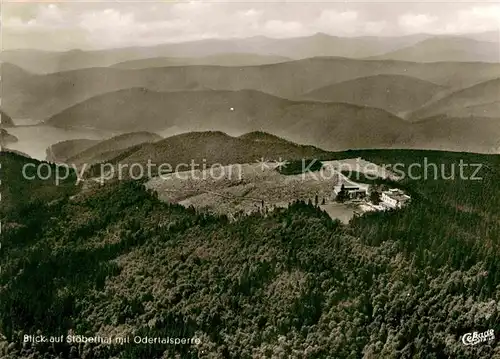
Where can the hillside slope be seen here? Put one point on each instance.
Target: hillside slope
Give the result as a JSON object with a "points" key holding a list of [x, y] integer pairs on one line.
{"points": [[21, 189], [142, 109], [5, 120], [260, 136], [116, 261], [393, 93], [61, 151], [470, 134], [6, 138], [110, 148], [481, 100]]}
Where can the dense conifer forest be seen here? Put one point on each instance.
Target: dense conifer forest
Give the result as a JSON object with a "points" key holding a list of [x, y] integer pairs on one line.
{"points": [[292, 283]]}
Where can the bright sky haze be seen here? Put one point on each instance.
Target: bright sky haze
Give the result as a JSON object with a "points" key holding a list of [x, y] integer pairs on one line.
{"points": [[68, 25]]}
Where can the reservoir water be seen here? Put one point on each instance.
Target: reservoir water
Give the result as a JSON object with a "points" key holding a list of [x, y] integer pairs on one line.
{"points": [[35, 139]]}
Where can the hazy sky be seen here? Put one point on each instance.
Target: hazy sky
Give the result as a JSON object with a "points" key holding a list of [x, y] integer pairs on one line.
{"points": [[100, 24]]}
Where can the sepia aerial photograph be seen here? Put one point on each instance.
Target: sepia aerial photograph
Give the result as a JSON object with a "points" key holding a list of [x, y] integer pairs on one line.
{"points": [[249, 179]]}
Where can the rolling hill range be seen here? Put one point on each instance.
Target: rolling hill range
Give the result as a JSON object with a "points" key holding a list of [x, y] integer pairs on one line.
{"points": [[327, 125], [440, 49], [236, 60], [44, 62], [393, 93], [39, 97], [481, 100]]}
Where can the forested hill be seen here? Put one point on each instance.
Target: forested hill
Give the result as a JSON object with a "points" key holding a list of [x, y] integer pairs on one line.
{"points": [[21, 186], [292, 283]]}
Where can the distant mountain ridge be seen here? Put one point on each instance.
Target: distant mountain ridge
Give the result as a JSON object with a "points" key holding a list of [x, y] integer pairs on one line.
{"points": [[439, 49], [39, 97], [234, 59], [319, 44]]}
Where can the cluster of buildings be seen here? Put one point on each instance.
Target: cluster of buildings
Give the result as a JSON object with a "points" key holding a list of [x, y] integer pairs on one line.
{"points": [[390, 199], [395, 198]]}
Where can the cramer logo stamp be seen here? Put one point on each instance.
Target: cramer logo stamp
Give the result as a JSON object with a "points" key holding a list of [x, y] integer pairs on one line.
{"points": [[476, 338]]}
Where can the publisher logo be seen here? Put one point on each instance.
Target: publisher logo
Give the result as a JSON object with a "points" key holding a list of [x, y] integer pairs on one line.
{"points": [[476, 338]]}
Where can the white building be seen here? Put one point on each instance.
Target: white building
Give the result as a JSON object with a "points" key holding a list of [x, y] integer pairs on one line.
{"points": [[395, 198]]}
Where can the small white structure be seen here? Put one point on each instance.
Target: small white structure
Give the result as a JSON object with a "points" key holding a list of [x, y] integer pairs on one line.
{"points": [[395, 198], [370, 207]]}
